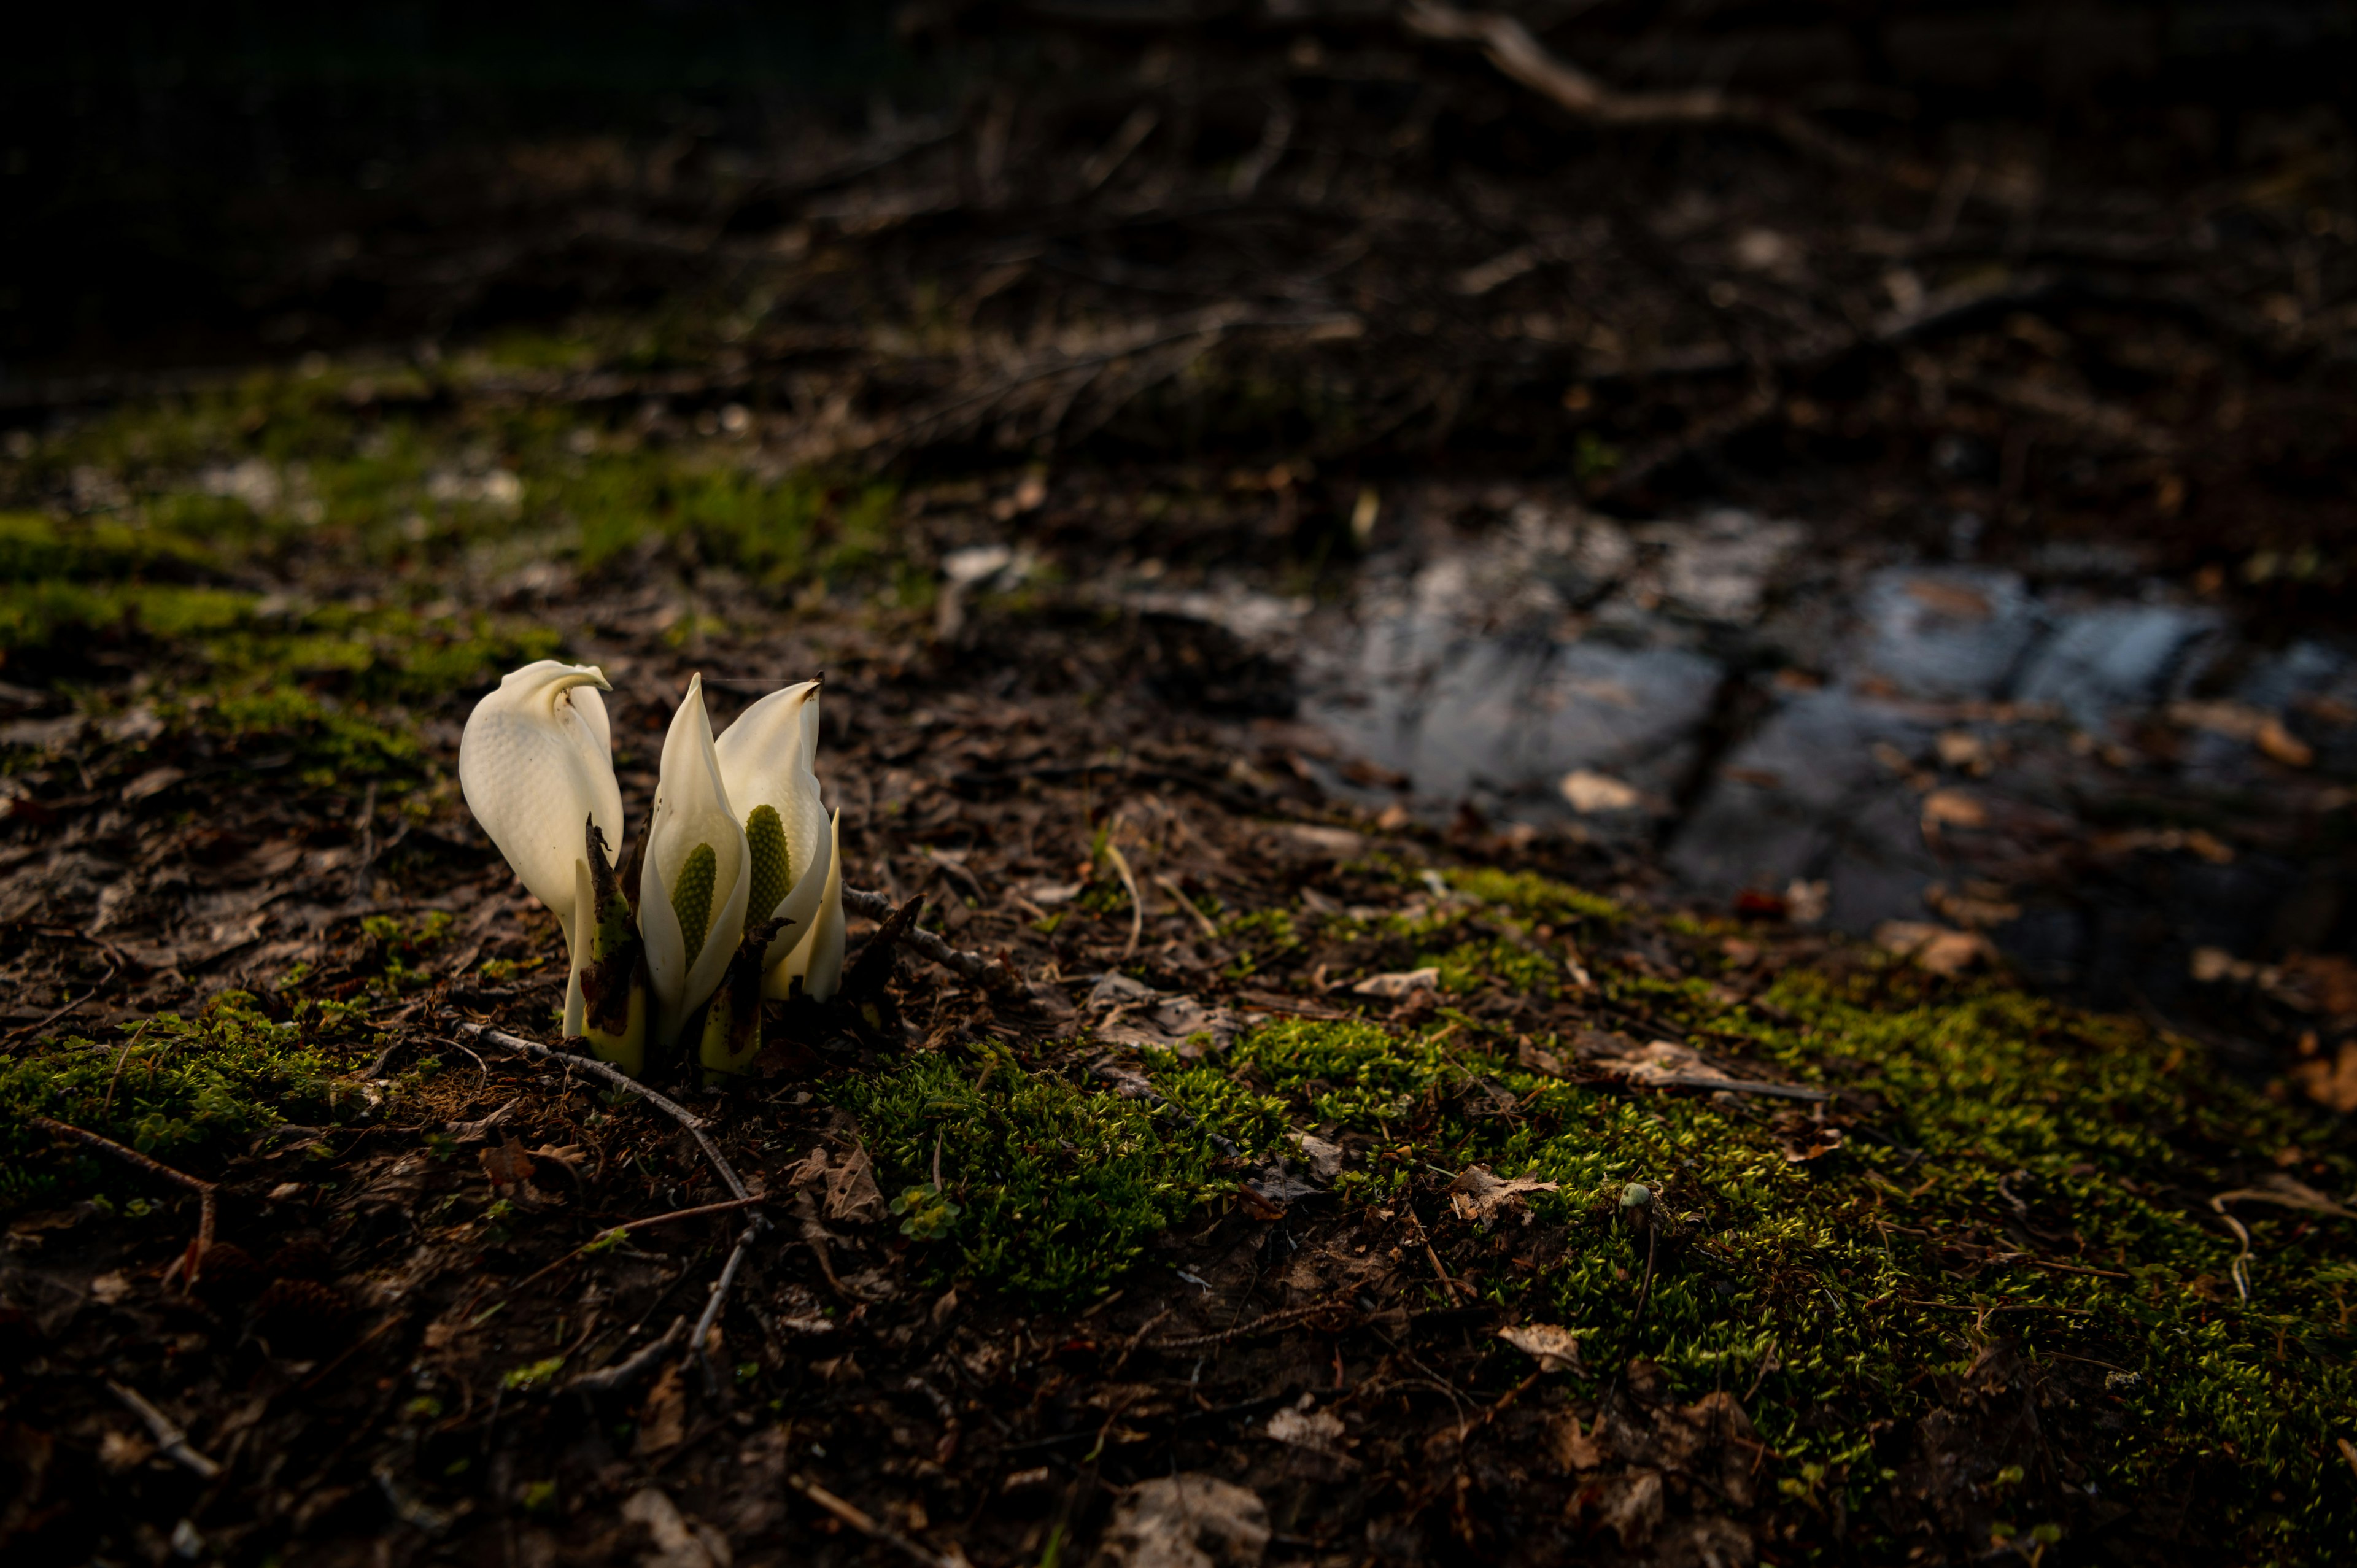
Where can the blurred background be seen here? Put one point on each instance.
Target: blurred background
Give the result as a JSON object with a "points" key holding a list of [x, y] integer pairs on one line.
{"points": [[1882, 466]]}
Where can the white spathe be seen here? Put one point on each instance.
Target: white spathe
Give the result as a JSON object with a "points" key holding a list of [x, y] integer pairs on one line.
{"points": [[767, 758], [691, 808], [817, 960], [536, 765]]}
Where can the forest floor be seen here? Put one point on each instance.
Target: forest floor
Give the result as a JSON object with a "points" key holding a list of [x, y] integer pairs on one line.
{"points": [[1357, 1127]]}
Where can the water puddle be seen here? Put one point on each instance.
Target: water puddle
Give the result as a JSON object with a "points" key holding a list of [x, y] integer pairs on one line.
{"points": [[2095, 771]]}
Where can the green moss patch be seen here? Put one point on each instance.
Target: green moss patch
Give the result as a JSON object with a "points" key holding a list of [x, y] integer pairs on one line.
{"points": [[2027, 1172], [1057, 1187], [172, 1086]]}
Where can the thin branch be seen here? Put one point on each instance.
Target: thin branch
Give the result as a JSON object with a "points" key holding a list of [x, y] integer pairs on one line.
{"points": [[624, 1081], [206, 1202], [613, 1232], [36, 1027], [974, 966], [622, 1374], [1511, 47], [1136, 899], [1170, 884], [1265, 1324], [860, 1521], [712, 1309], [168, 1437], [1731, 1085]]}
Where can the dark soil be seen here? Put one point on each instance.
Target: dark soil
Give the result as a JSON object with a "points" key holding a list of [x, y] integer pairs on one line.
{"points": [[1163, 295]]}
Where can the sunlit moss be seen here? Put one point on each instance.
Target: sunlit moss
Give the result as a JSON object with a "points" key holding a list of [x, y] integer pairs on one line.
{"points": [[171, 1084], [1056, 1187]]}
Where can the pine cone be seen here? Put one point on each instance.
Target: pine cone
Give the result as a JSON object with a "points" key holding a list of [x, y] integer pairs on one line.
{"points": [[226, 1276]]}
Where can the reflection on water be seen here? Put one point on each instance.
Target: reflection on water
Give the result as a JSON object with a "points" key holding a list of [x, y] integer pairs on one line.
{"points": [[2102, 773]]}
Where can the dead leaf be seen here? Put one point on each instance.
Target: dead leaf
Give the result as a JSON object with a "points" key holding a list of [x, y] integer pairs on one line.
{"points": [[119, 1451], [851, 1190], [1952, 809], [2282, 1190], [1812, 1141], [1536, 1058], [1392, 987], [1572, 1447], [510, 1168], [1303, 1427], [1185, 1521], [2235, 721], [1660, 1059], [1936, 948], [1591, 793], [1556, 1347], [1479, 1196], [1951, 599], [679, 1542], [1325, 1159], [2283, 745], [2331, 1083], [1629, 1506], [663, 1419], [155, 781]]}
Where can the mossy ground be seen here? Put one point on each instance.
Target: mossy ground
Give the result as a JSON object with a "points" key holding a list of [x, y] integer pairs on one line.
{"points": [[287, 592]]}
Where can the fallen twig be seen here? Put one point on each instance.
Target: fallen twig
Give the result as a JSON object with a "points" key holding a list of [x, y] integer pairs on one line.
{"points": [[974, 966], [170, 1438], [622, 1374], [1515, 51], [36, 1027], [1732, 1085], [858, 1520], [624, 1081], [612, 1231], [1266, 1324], [712, 1309], [206, 1202], [1170, 886], [1136, 899]]}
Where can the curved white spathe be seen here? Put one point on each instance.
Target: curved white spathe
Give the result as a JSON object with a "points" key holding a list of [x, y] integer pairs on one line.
{"points": [[691, 808], [817, 959], [536, 765], [766, 759]]}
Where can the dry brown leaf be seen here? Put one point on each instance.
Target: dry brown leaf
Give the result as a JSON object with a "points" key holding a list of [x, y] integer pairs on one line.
{"points": [[2283, 745], [1185, 1521], [2331, 1083], [1629, 1506], [1573, 1446], [1952, 809], [1392, 987], [662, 1418], [1934, 948], [851, 1190], [1477, 1194], [1556, 1347], [510, 1168], [1319, 1431]]}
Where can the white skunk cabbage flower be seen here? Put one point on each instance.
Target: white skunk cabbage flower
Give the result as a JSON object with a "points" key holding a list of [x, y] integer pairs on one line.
{"points": [[817, 960], [693, 890], [536, 765], [766, 760]]}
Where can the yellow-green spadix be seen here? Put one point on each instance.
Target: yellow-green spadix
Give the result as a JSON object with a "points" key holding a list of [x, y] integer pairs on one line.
{"points": [[698, 879], [767, 757], [536, 765]]}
